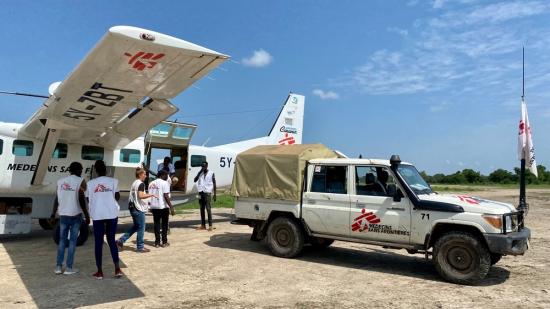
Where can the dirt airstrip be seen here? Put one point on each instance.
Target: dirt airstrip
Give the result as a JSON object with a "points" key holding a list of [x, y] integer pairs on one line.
{"points": [[225, 269]]}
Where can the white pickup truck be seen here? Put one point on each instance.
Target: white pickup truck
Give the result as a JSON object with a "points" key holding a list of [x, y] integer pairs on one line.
{"points": [[303, 194]]}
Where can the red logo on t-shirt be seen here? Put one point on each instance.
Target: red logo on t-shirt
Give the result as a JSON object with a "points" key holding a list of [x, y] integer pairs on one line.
{"points": [[102, 188], [66, 187]]}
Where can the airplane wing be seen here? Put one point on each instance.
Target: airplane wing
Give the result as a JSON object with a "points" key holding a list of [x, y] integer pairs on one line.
{"points": [[119, 91]]}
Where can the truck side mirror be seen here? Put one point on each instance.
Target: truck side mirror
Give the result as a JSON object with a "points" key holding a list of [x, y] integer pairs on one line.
{"points": [[397, 195], [394, 192]]}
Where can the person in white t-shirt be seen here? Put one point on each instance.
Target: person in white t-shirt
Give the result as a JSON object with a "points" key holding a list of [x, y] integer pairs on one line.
{"points": [[206, 184], [103, 194], [138, 206], [70, 204], [161, 207]]}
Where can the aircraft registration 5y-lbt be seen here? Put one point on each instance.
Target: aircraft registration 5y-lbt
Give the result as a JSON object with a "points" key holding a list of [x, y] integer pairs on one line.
{"points": [[113, 107]]}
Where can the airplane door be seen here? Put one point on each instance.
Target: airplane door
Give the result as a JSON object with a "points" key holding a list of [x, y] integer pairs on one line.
{"points": [[176, 137]]}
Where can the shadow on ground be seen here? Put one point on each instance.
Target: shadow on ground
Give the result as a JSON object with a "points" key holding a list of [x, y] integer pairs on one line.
{"points": [[33, 257], [370, 259]]}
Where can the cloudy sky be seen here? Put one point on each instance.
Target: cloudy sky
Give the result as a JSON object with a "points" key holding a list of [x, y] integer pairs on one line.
{"points": [[438, 82]]}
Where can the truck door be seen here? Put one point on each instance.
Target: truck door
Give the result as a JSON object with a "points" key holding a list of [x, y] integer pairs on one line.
{"points": [[374, 213], [326, 203]]}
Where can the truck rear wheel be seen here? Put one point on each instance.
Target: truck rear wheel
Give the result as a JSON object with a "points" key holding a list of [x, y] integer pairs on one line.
{"points": [[285, 237], [495, 257], [318, 242], [82, 234], [461, 258]]}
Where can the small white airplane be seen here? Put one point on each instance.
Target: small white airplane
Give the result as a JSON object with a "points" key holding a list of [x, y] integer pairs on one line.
{"points": [[113, 107]]}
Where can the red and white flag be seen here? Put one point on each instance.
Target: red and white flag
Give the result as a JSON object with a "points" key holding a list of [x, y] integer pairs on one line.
{"points": [[525, 141]]}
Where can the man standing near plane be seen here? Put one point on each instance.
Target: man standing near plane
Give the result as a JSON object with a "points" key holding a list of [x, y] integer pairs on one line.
{"points": [[103, 194], [161, 206], [206, 184], [70, 203]]}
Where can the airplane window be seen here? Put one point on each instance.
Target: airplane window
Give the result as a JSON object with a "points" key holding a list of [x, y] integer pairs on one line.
{"points": [[1, 146], [92, 153], [130, 155], [197, 160], [182, 133], [60, 151], [22, 148], [161, 130]]}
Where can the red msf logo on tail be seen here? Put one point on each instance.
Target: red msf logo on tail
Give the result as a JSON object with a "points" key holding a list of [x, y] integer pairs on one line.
{"points": [[287, 140], [142, 60], [361, 223]]}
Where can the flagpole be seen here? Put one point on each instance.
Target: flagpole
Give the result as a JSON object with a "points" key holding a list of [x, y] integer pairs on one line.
{"points": [[522, 199]]}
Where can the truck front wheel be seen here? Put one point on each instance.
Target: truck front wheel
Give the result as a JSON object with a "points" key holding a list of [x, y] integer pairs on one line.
{"points": [[285, 237], [461, 258]]}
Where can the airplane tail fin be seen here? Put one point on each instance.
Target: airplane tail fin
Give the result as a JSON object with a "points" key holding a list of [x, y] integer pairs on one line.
{"points": [[288, 127]]}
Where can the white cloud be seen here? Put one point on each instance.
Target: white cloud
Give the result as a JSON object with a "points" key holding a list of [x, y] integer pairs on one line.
{"points": [[400, 31], [326, 95], [465, 50], [439, 107], [260, 58]]}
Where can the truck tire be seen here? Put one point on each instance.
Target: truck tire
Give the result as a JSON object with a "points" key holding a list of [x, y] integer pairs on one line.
{"points": [[82, 235], [285, 237], [495, 257], [321, 243], [461, 258], [46, 224]]}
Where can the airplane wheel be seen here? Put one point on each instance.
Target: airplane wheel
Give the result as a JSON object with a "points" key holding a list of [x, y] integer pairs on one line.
{"points": [[46, 224], [82, 235]]}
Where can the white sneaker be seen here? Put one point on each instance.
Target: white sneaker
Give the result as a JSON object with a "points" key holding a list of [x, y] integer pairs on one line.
{"points": [[58, 270], [70, 271]]}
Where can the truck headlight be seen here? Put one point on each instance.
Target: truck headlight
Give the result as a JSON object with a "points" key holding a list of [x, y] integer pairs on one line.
{"points": [[508, 225], [494, 220]]}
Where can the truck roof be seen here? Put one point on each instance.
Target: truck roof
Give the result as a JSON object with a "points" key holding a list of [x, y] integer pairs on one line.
{"points": [[353, 161]]}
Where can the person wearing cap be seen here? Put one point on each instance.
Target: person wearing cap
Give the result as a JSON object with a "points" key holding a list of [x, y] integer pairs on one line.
{"points": [[103, 194], [70, 204], [206, 184], [138, 206], [161, 207]]}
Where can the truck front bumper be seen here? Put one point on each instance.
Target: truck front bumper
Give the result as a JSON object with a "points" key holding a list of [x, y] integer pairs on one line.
{"points": [[515, 243]]}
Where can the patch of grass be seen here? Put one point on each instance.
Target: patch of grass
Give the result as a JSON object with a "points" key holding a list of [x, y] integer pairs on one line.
{"points": [[456, 188], [483, 187], [223, 201]]}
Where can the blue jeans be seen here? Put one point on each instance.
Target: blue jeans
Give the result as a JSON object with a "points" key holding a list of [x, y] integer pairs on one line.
{"points": [[68, 224], [139, 226]]}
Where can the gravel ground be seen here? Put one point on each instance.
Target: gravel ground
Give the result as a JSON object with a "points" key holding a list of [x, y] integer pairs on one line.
{"points": [[225, 269]]}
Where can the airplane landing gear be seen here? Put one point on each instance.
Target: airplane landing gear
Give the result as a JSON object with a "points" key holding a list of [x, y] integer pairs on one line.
{"points": [[46, 224]]}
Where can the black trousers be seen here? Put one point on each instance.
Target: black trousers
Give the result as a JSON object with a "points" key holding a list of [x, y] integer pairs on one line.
{"points": [[160, 218], [205, 202]]}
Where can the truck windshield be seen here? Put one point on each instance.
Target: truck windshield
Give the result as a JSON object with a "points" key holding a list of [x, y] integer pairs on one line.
{"points": [[414, 180]]}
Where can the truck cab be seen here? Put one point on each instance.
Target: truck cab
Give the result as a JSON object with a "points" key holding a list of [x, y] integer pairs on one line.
{"points": [[388, 203]]}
